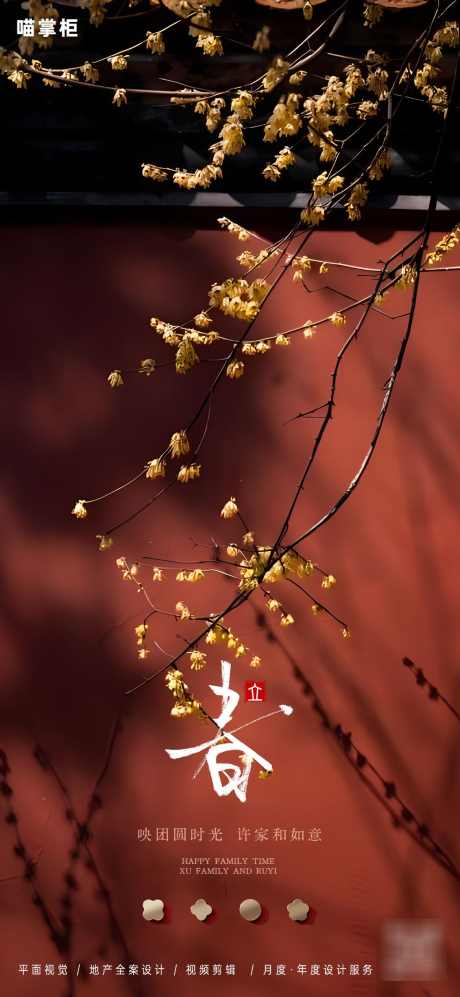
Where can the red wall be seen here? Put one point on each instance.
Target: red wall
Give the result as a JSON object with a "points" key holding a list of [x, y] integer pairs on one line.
{"points": [[76, 301]]}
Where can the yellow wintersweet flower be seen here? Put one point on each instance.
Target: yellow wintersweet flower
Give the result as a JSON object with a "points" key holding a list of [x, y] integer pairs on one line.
{"points": [[255, 662], [202, 321], [155, 42], [115, 379], [183, 611], [210, 43], [90, 73], [286, 620], [188, 472], [105, 542], [241, 233], [79, 510], [230, 509], [119, 97], [328, 582], [157, 574], [243, 104], [235, 369], [337, 318], [232, 136], [312, 215], [19, 78], [262, 42], [118, 61], [153, 173], [146, 367], [156, 468], [141, 632], [197, 660], [186, 356], [179, 444]]}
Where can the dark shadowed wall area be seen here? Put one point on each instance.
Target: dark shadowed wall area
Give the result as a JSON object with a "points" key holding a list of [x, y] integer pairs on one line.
{"points": [[76, 299]]}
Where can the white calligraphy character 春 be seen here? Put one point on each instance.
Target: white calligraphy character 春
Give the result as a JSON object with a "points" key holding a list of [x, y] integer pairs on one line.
{"points": [[226, 776]]}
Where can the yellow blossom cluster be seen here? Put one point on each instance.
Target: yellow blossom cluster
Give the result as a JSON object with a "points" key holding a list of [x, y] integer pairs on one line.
{"points": [[97, 11], [79, 510], [300, 265], [312, 214], [255, 347], [186, 356], [179, 444], [235, 369], [196, 575], [155, 42], [407, 276], [256, 567], [238, 297], [324, 186], [243, 105], [105, 542], [210, 44], [197, 660], [286, 619], [367, 109], [19, 78], [185, 704], [356, 201], [118, 61], [119, 98], [221, 634], [156, 468], [202, 177], [153, 172], [241, 233], [188, 472], [445, 245], [448, 35], [90, 73], [202, 321], [262, 42], [231, 135], [212, 112], [381, 163], [278, 70], [115, 379], [141, 633], [284, 158], [284, 119], [230, 509], [183, 611], [250, 260], [377, 82], [372, 14], [129, 573]]}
